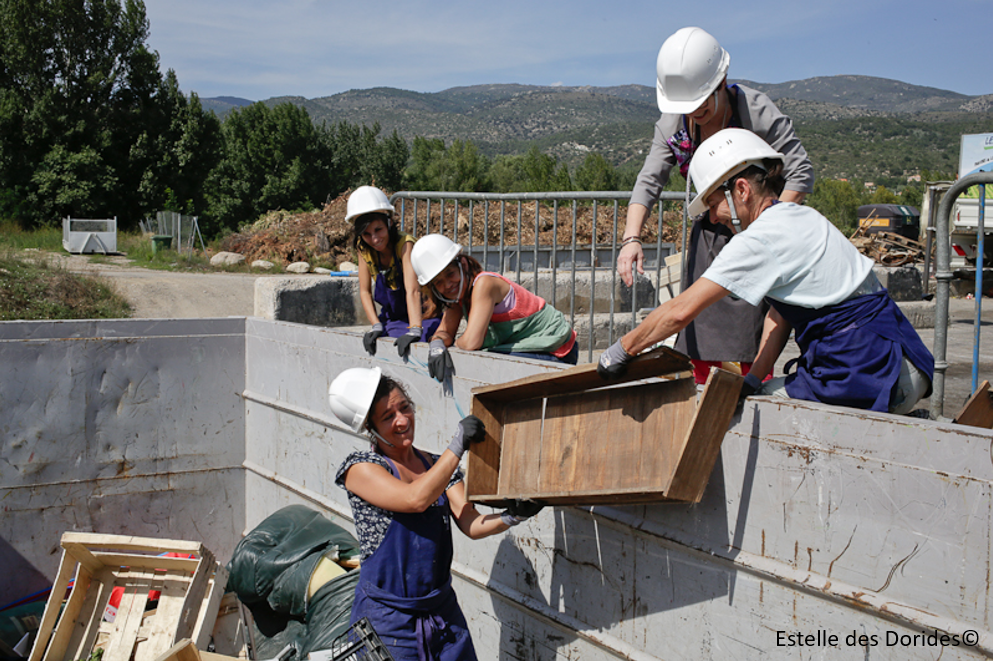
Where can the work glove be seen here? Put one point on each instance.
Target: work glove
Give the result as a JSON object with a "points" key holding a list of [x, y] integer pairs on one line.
{"points": [[520, 510], [613, 361], [751, 386], [439, 361], [369, 339], [471, 430], [403, 342]]}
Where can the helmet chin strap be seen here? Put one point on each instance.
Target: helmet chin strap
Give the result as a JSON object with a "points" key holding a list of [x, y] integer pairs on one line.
{"points": [[461, 284], [377, 435], [735, 221]]}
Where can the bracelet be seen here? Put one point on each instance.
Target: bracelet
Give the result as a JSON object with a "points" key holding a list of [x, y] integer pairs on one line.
{"points": [[410, 328], [631, 239]]}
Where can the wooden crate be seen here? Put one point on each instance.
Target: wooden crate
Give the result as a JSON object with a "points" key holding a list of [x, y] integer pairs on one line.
{"points": [[566, 439], [191, 590]]}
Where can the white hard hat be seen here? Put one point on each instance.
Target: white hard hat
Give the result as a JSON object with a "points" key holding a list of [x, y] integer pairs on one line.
{"points": [[351, 395], [367, 199], [690, 66], [430, 256], [720, 157]]}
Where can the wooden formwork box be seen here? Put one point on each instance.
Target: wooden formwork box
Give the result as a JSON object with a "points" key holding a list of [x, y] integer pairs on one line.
{"points": [[191, 591], [565, 438]]}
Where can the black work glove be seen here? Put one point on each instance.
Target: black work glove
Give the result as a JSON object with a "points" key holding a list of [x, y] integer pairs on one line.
{"points": [[403, 342], [520, 510], [369, 339], [471, 430], [613, 361], [439, 361], [750, 386]]}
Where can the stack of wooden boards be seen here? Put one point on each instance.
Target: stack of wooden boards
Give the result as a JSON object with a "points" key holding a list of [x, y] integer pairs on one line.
{"points": [[93, 565]]}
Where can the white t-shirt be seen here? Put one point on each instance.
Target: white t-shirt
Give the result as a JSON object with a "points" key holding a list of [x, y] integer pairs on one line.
{"points": [[792, 254]]}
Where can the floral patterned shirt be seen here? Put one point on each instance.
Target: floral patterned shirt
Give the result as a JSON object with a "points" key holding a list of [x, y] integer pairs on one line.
{"points": [[371, 522]]}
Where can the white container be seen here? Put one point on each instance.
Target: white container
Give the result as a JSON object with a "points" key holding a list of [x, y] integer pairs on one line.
{"points": [[82, 235]]}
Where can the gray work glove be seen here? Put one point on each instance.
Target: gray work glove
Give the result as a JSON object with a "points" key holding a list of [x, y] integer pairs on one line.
{"points": [[403, 342], [520, 510], [369, 339], [439, 361], [613, 361], [471, 430]]}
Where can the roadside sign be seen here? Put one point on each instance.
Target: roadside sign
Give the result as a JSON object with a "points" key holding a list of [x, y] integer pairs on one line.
{"points": [[976, 154]]}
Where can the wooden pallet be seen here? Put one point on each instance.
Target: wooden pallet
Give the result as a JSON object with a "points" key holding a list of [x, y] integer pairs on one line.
{"points": [[191, 590], [564, 438]]}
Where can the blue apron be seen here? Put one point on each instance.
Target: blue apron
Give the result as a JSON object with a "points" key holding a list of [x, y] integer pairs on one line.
{"points": [[851, 352], [405, 588], [393, 309]]}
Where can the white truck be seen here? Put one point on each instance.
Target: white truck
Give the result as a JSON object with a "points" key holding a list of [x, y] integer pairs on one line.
{"points": [[964, 223]]}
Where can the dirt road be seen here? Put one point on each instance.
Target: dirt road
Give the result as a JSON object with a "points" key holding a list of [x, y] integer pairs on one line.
{"points": [[165, 294]]}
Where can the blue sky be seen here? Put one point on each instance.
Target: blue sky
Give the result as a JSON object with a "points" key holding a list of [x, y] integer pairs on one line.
{"points": [[314, 48]]}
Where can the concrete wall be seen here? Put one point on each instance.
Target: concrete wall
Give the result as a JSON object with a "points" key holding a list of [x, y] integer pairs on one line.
{"points": [[128, 427], [816, 518]]}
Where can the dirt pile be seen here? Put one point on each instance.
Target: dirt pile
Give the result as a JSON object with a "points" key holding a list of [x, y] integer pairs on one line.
{"points": [[323, 237]]}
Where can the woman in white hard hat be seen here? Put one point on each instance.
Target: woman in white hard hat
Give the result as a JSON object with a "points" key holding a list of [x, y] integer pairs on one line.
{"points": [[857, 348], [386, 276], [403, 500], [696, 102], [501, 315]]}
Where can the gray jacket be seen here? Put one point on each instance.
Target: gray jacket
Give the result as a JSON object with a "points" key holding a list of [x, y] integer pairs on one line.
{"points": [[757, 113]]}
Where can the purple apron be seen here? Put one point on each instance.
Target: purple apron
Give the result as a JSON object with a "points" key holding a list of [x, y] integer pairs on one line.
{"points": [[393, 310], [405, 588]]}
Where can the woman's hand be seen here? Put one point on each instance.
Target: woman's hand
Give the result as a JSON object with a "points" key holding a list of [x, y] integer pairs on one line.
{"points": [[630, 257], [440, 365], [369, 339], [471, 430]]}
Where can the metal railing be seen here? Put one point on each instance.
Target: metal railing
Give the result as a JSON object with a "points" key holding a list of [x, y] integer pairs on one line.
{"points": [[550, 232]]}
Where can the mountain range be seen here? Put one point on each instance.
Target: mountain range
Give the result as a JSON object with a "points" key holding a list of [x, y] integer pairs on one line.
{"points": [[841, 115]]}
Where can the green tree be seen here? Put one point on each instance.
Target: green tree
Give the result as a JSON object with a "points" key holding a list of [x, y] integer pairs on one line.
{"points": [[81, 107], [273, 158], [883, 195], [838, 201], [595, 174]]}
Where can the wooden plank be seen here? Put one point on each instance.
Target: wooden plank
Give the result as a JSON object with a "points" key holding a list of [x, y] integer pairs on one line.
{"points": [[146, 561], [160, 631], [211, 605], [978, 411], [704, 436], [89, 622], [616, 439], [658, 362], [66, 626], [124, 636], [184, 650], [520, 457], [484, 457], [67, 566], [129, 543], [195, 596]]}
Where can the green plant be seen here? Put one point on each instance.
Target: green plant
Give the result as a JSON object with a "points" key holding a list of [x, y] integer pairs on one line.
{"points": [[37, 291]]}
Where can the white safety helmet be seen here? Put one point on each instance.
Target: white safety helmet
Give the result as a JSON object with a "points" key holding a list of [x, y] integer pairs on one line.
{"points": [[690, 66], [351, 395], [367, 199], [720, 157], [430, 256]]}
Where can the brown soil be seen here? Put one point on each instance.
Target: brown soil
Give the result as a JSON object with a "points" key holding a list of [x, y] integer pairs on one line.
{"points": [[325, 237]]}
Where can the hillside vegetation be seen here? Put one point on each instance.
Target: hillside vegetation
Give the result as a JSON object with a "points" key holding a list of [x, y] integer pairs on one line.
{"points": [[855, 127]]}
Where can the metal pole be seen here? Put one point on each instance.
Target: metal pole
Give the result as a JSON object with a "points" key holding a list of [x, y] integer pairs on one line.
{"points": [[980, 258], [943, 277]]}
